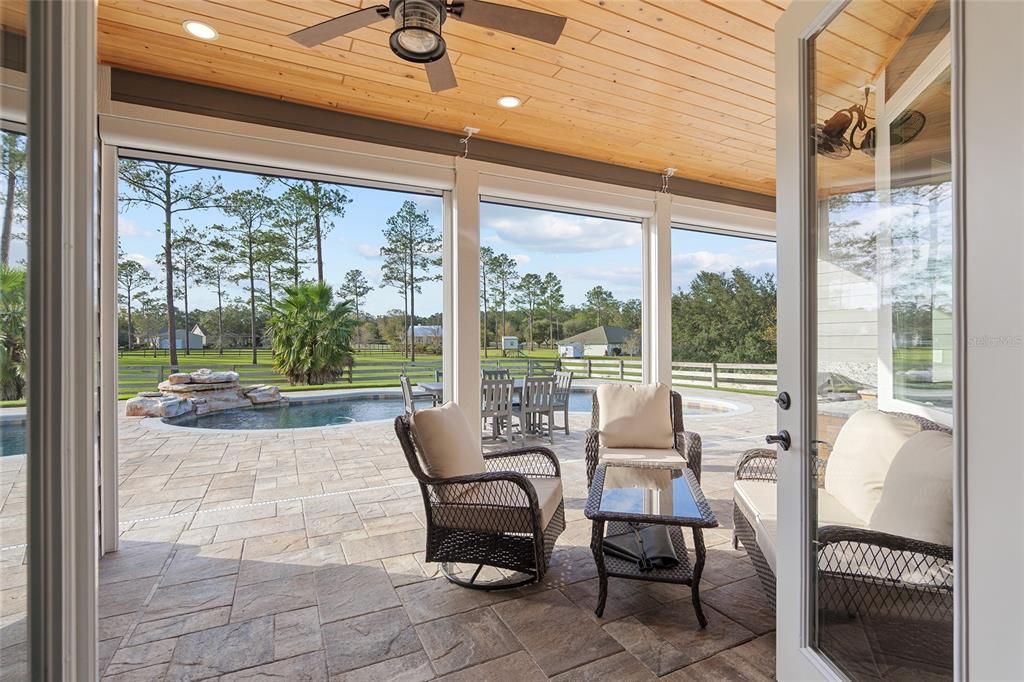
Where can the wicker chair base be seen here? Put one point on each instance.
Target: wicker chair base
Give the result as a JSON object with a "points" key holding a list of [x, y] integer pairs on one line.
{"points": [[744, 533], [506, 582]]}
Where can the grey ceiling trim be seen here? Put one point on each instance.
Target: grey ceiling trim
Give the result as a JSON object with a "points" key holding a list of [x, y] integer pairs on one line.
{"points": [[155, 91]]}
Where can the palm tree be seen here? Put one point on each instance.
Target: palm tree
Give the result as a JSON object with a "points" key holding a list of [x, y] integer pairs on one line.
{"points": [[311, 334], [12, 333]]}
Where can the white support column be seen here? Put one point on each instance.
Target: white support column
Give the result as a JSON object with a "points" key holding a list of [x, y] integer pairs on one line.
{"points": [[657, 304], [108, 333], [61, 414], [462, 294]]}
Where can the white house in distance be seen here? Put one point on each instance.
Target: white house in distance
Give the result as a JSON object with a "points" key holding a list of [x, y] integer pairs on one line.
{"points": [[603, 340], [426, 333], [196, 339]]}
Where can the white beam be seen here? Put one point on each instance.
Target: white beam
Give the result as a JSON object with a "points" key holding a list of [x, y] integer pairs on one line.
{"points": [[657, 304], [462, 294], [108, 339]]}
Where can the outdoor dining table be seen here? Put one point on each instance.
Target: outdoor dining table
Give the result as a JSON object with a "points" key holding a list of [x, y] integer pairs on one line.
{"points": [[436, 388]]}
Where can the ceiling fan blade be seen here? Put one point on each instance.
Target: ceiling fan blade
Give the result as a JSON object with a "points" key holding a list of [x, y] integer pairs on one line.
{"points": [[440, 74], [546, 28], [339, 26]]}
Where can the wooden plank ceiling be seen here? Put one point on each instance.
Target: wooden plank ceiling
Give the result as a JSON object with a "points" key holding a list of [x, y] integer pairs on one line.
{"points": [[644, 84]]}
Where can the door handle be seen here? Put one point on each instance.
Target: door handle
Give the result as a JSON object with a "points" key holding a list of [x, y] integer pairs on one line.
{"points": [[781, 439]]}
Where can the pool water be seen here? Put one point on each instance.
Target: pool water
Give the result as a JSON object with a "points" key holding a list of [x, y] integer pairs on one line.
{"points": [[12, 438], [349, 409]]}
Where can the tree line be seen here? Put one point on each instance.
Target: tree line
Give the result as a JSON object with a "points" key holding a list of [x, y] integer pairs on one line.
{"points": [[261, 244]]}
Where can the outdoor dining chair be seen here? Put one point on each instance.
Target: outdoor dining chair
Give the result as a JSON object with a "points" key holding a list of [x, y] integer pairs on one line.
{"points": [[563, 387], [495, 374], [496, 407], [537, 407], [409, 397]]}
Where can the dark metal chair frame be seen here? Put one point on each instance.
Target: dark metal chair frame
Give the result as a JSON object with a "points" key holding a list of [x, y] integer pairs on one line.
{"points": [[508, 485], [686, 443], [906, 610]]}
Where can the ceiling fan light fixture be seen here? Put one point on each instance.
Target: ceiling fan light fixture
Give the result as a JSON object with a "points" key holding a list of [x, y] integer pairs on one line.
{"points": [[199, 29], [417, 35], [509, 102]]}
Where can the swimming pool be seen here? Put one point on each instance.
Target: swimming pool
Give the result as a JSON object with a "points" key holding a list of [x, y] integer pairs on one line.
{"points": [[12, 437], [347, 409]]}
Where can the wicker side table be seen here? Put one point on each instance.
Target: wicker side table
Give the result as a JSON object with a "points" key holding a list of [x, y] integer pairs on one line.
{"points": [[644, 495]]}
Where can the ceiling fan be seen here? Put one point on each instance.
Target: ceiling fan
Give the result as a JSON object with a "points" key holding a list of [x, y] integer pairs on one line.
{"points": [[417, 35]]}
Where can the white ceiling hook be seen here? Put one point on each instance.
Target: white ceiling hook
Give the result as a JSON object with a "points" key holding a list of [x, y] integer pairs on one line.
{"points": [[470, 132], [669, 172]]}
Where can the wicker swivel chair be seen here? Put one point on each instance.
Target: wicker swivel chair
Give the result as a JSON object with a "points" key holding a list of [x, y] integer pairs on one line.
{"points": [[685, 445], [507, 513]]}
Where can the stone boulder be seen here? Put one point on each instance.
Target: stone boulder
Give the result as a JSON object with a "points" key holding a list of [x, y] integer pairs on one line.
{"points": [[208, 376], [263, 393], [162, 406], [180, 378]]}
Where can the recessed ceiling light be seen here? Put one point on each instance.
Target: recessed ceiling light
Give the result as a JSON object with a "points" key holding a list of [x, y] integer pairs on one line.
{"points": [[509, 102], [200, 30]]}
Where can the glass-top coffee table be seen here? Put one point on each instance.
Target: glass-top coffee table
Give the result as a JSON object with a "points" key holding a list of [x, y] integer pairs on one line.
{"points": [[643, 495]]}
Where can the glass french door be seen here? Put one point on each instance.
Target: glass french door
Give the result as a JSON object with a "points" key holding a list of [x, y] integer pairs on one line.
{"points": [[866, 566]]}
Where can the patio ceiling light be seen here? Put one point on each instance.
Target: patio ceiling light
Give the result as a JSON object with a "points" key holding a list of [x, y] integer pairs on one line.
{"points": [[509, 102], [200, 30], [417, 35]]}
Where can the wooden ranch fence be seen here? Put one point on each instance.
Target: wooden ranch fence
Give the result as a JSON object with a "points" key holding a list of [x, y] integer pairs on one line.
{"points": [[384, 372]]}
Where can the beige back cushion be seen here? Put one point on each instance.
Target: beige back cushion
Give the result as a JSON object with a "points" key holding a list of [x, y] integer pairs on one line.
{"points": [[445, 441], [859, 462], [634, 416], [917, 500]]}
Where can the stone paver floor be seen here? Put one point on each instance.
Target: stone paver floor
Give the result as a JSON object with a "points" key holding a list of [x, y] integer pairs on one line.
{"points": [[298, 555]]}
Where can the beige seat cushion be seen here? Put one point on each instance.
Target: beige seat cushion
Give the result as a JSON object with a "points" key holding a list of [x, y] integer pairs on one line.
{"points": [[445, 442], [756, 499], [634, 416], [917, 500], [859, 462], [633, 455], [484, 506]]}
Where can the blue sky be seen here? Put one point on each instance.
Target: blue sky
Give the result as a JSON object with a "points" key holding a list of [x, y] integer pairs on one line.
{"points": [[582, 251]]}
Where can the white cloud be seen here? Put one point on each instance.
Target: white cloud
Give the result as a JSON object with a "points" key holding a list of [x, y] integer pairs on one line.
{"points": [[521, 259], [126, 227], [559, 232], [368, 251], [146, 262]]}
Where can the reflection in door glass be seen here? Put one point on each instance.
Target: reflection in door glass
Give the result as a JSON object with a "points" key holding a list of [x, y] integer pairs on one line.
{"points": [[883, 484]]}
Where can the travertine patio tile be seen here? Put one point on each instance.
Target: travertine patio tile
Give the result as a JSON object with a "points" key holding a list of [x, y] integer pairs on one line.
{"points": [[175, 626], [620, 666], [256, 527], [409, 668], [273, 596], [384, 525], [466, 639], [236, 515], [656, 654], [349, 591], [207, 561], [327, 505], [128, 597], [311, 667], [290, 563], [154, 672], [438, 598], [381, 546], [185, 598], [131, 658], [297, 632], [677, 625], [743, 601], [753, 661], [625, 597], [371, 638], [518, 666], [338, 523], [557, 634], [278, 543], [223, 649]]}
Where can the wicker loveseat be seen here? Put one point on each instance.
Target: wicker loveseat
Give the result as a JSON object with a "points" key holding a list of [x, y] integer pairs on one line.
{"points": [[632, 443], [501, 509], [884, 539]]}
